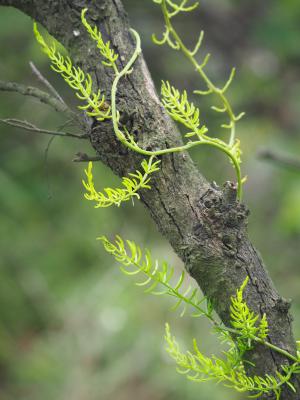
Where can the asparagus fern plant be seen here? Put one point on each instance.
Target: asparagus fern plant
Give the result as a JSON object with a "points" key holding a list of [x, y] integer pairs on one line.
{"points": [[247, 328]]}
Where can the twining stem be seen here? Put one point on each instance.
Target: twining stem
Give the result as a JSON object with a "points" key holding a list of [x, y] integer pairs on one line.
{"points": [[170, 290], [200, 69], [115, 113], [170, 30], [261, 341], [277, 349], [133, 146], [130, 260]]}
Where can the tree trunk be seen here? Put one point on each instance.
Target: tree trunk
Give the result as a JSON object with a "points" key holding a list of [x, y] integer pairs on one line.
{"points": [[205, 225]]}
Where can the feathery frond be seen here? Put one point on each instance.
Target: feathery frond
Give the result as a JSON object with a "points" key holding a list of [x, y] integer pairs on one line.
{"points": [[242, 318], [181, 110], [131, 185], [229, 370], [263, 328], [77, 79], [245, 321], [188, 116], [134, 262], [105, 49]]}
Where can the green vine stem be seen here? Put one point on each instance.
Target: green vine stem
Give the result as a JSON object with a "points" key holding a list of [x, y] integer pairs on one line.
{"points": [[135, 263], [178, 44], [115, 113], [263, 342], [131, 144], [200, 68], [247, 326], [277, 349]]}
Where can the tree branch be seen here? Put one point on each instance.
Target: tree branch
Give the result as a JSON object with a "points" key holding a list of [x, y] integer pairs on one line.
{"points": [[83, 157], [206, 229], [31, 91], [28, 126], [280, 159], [45, 82]]}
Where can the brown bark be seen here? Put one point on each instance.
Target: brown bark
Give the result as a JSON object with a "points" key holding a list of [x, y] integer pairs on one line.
{"points": [[204, 224]]}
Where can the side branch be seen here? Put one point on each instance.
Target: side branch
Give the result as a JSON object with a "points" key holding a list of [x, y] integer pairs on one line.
{"points": [[45, 82], [31, 91], [28, 126], [83, 157], [280, 159]]}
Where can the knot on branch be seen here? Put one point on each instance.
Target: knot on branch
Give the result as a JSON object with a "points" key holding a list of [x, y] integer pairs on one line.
{"points": [[221, 207], [283, 305]]}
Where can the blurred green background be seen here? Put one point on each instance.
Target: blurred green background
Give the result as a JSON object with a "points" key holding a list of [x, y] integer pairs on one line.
{"points": [[71, 325]]}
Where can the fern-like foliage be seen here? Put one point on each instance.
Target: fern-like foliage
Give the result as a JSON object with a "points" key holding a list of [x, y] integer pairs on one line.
{"points": [[181, 110], [185, 112], [194, 364], [244, 320], [247, 327], [177, 104], [131, 185], [230, 369], [263, 328], [134, 262], [77, 79], [106, 51]]}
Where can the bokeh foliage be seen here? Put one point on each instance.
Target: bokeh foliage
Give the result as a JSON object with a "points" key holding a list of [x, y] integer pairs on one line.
{"points": [[72, 326]]}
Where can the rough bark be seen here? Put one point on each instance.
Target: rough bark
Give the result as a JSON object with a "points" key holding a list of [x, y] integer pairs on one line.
{"points": [[205, 224]]}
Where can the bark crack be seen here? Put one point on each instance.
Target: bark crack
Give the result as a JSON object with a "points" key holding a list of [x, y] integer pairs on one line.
{"points": [[168, 212]]}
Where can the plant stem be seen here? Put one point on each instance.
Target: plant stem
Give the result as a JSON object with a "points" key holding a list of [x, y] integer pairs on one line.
{"points": [[277, 349], [199, 68], [120, 135]]}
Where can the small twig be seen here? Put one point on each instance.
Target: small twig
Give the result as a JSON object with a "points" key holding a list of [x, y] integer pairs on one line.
{"points": [[45, 82], [31, 91], [46, 170], [282, 160], [68, 123], [45, 98], [82, 157], [32, 128]]}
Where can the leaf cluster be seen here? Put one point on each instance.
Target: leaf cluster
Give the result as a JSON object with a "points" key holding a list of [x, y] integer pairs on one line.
{"points": [[109, 54], [230, 369], [95, 103], [245, 321], [194, 364], [181, 110], [97, 107], [131, 185], [177, 105], [247, 326], [158, 278]]}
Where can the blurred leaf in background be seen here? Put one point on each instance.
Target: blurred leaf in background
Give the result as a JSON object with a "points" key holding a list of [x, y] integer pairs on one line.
{"points": [[72, 326]]}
